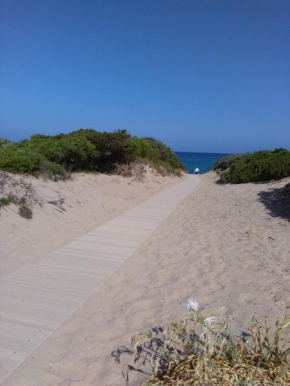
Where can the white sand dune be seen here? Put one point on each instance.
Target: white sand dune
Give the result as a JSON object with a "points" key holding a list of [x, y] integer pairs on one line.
{"points": [[226, 245]]}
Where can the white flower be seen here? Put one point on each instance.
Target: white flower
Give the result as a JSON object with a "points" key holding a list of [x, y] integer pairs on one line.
{"points": [[192, 305], [211, 320]]}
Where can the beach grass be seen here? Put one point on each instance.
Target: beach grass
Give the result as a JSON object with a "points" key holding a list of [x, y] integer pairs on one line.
{"points": [[201, 350]]}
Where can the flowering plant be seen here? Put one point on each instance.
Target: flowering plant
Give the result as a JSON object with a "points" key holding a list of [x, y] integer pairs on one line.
{"points": [[200, 350]]}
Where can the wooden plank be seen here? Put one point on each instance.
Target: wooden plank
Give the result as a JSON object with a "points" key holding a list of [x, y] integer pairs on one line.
{"points": [[36, 299]]}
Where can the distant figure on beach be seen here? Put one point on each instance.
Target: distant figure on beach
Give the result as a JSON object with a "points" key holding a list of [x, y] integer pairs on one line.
{"points": [[196, 171]]}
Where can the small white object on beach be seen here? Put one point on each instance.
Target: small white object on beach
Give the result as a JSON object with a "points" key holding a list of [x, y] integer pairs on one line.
{"points": [[211, 320], [192, 305], [196, 171]]}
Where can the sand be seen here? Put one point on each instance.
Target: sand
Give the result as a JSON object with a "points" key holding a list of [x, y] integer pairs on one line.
{"points": [[89, 201], [227, 246]]}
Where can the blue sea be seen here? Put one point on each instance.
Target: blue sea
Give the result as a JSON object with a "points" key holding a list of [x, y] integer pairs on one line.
{"points": [[203, 161]]}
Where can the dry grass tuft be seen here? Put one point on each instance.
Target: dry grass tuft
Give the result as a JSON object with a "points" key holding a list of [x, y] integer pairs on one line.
{"points": [[200, 350], [25, 211], [19, 192]]}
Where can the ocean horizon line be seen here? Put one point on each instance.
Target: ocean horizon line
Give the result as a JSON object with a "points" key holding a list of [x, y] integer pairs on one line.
{"points": [[202, 152], [202, 161]]}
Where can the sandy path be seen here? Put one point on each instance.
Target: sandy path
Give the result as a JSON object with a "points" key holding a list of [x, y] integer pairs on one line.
{"points": [[90, 200], [39, 297], [222, 245]]}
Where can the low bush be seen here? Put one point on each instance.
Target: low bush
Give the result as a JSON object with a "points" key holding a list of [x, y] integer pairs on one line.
{"points": [[255, 167], [70, 152], [16, 159], [201, 350], [139, 148], [4, 201], [161, 153], [114, 148], [84, 149], [225, 162], [4, 142]]}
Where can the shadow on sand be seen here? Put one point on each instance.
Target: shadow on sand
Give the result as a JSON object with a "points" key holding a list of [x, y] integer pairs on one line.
{"points": [[128, 368], [143, 359], [277, 202]]}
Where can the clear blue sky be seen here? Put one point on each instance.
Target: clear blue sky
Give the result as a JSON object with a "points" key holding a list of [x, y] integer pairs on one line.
{"points": [[200, 75]]}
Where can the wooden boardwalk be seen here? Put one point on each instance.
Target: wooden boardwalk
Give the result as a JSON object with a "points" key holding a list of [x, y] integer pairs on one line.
{"points": [[36, 299]]}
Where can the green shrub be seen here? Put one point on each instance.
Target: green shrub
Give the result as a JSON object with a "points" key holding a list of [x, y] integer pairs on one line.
{"points": [[17, 159], [4, 142], [114, 148], [260, 166], [254, 167], [73, 151], [160, 152], [53, 170], [138, 148], [4, 201], [225, 162], [84, 149]]}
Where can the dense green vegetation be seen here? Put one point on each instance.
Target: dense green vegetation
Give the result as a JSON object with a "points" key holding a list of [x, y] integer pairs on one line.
{"points": [[225, 162], [254, 167], [83, 150], [4, 142]]}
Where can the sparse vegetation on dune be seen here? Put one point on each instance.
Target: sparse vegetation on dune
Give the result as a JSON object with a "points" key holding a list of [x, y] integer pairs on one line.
{"points": [[200, 350], [84, 150], [14, 190], [25, 211], [254, 167], [4, 201]]}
